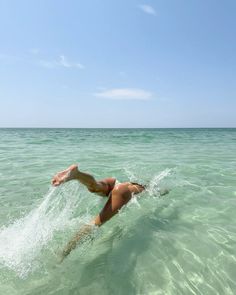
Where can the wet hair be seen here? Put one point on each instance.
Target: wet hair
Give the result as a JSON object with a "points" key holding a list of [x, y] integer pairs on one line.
{"points": [[139, 184]]}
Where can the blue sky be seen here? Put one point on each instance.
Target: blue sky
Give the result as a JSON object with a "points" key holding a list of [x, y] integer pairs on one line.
{"points": [[104, 63]]}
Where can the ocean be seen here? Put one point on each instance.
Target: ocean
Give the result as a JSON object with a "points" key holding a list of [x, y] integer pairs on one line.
{"points": [[180, 243]]}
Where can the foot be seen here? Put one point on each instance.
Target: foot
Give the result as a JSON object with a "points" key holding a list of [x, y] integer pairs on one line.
{"points": [[66, 175]]}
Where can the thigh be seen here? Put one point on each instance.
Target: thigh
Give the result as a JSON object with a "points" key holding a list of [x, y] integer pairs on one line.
{"points": [[110, 182], [103, 187], [118, 198]]}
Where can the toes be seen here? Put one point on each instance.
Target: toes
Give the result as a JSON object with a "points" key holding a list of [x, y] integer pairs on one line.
{"points": [[61, 177], [55, 181]]}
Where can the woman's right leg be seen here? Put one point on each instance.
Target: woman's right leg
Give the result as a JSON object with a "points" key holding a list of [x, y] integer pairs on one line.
{"points": [[73, 173], [102, 187]]}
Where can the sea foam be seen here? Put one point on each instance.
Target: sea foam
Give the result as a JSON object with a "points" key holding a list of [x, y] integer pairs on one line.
{"points": [[22, 241]]}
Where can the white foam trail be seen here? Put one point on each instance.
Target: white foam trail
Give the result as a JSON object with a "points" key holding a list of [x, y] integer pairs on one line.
{"points": [[130, 174], [22, 241], [153, 187]]}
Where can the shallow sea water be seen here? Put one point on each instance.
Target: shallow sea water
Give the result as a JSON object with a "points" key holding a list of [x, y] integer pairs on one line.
{"points": [[181, 243]]}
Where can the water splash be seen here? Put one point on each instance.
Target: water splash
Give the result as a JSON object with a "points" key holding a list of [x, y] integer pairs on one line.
{"points": [[153, 188], [22, 241]]}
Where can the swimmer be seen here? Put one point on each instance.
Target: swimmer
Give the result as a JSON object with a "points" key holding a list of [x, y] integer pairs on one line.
{"points": [[117, 196]]}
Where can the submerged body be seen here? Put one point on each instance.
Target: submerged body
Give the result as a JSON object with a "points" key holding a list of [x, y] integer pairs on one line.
{"points": [[118, 195]]}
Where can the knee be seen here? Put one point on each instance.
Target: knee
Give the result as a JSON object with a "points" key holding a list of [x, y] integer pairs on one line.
{"points": [[93, 188]]}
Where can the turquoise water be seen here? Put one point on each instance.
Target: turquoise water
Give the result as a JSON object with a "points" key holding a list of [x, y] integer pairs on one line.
{"points": [[181, 243]]}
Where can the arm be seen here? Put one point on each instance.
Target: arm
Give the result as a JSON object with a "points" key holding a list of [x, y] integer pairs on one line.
{"points": [[116, 201], [84, 231]]}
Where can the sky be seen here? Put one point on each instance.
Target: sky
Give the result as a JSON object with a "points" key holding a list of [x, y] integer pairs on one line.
{"points": [[118, 64]]}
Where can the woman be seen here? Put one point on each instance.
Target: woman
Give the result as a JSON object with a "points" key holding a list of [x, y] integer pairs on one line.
{"points": [[118, 195]]}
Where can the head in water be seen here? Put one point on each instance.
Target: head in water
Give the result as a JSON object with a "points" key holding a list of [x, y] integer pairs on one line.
{"points": [[139, 187]]}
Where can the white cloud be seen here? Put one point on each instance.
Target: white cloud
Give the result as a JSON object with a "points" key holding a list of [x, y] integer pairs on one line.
{"points": [[125, 94], [147, 9], [65, 63], [61, 62]]}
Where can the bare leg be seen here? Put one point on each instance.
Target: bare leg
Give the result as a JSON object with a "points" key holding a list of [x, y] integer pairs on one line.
{"points": [[85, 230], [102, 187], [73, 173], [120, 196]]}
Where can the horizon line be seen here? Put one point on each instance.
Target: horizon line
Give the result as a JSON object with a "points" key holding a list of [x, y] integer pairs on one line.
{"points": [[117, 127]]}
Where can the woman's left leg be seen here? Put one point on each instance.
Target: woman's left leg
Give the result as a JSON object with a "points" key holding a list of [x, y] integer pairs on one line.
{"points": [[120, 196]]}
